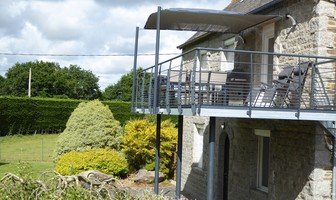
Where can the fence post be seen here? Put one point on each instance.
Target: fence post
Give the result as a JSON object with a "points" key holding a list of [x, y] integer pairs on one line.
{"points": [[42, 150]]}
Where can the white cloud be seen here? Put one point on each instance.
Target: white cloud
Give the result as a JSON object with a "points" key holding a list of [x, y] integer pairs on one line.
{"points": [[87, 27]]}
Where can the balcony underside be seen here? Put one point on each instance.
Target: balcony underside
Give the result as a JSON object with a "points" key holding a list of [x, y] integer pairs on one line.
{"points": [[256, 113]]}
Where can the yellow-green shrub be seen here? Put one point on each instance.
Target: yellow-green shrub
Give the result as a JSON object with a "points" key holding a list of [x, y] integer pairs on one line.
{"points": [[138, 143], [105, 160]]}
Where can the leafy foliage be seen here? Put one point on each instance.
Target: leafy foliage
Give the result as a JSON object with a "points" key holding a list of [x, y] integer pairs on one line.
{"points": [[31, 115], [138, 143], [49, 79], [105, 160], [22, 115], [91, 125], [76, 83], [2, 83], [122, 90]]}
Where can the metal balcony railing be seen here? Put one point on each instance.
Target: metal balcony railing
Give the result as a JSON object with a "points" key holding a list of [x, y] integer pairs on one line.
{"points": [[204, 82]]}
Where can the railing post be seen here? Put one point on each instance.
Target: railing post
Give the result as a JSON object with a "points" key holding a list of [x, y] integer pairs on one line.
{"points": [[300, 95], [249, 112], [159, 82], [179, 96], [312, 89], [200, 101], [136, 91], [150, 101], [168, 89], [193, 77], [143, 92]]}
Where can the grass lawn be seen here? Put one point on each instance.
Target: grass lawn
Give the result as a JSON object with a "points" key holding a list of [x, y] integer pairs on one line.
{"points": [[30, 151]]}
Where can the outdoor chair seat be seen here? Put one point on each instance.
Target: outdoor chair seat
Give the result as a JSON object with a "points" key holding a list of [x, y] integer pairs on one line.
{"points": [[268, 94]]}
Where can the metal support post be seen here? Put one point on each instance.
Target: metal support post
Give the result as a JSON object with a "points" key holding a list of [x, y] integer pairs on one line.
{"points": [[211, 165], [157, 153], [179, 156], [155, 104], [157, 53]]}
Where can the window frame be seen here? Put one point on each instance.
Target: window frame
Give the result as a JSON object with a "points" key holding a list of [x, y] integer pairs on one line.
{"points": [[227, 58], [262, 134], [267, 35], [198, 137]]}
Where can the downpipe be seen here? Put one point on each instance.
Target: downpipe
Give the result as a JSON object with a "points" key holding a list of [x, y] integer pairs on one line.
{"points": [[333, 192]]}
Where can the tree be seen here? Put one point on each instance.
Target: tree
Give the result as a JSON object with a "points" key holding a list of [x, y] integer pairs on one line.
{"points": [[16, 82], [122, 90], [76, 83], [2, 82], [90, 126], [50, 80]]}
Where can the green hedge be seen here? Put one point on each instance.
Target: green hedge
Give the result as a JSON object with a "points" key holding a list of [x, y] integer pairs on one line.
{"points": [[20, 115]]}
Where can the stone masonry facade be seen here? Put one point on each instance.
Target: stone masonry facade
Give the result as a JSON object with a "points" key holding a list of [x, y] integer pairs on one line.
{"points": [[300, 162]]}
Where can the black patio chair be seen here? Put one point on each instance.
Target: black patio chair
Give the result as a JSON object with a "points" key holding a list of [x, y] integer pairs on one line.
{"points": [[289, 93], [269, 94]]}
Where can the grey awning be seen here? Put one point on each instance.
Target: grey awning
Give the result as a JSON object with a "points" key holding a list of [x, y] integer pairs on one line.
{"points": [[206, 20]]}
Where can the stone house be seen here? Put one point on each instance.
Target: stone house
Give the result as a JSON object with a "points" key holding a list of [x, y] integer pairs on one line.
{"points": [[243, 136], [298, 161]]}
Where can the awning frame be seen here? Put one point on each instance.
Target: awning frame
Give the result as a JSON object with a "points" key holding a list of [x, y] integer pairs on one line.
{"points": [[206, 20]]}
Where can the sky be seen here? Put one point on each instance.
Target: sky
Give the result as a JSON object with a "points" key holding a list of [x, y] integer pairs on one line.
{"points": [[33, 30]]}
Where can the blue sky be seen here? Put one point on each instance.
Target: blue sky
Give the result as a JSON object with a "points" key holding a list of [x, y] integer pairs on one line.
{"points": [[87, 27]]}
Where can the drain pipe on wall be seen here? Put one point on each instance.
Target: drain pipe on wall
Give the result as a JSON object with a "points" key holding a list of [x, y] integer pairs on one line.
{"points": [[333, 187], [290, 17]]}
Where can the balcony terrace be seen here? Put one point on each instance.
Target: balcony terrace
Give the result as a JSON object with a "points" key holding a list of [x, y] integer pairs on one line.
{"points": [[201, 82]]}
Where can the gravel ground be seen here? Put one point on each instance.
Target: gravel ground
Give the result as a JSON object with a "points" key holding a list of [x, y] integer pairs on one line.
{"points": [[165, 189]]}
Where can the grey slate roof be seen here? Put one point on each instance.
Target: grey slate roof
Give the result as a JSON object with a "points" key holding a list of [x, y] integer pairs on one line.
{"points": [[246, 6]]}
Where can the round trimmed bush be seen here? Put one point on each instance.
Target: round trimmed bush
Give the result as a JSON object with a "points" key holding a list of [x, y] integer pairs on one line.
{"points": [[108, 161], [90, 126]]}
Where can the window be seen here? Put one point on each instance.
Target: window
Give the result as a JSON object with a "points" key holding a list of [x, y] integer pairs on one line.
{"points": [[227, 58], [263, 159], [204, 60], [267, 60], [198, 145]]}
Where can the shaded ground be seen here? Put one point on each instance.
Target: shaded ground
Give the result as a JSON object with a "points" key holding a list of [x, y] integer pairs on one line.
{"points": [[166, 188]]}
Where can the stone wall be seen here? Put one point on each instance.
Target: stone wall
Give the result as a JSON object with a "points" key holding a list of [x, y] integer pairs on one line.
{"points": [[327, 40], [193, 178], [300, 162]]}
